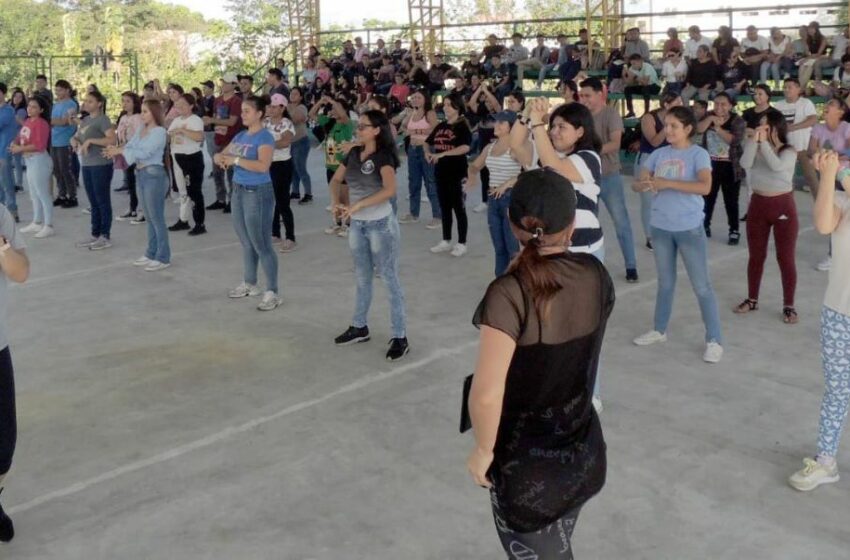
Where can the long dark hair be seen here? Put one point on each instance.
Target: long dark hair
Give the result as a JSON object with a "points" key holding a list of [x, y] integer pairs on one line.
{"points": [[458, 104], [579, 116], [814, 41], [137, 101], [42, 102], [384, 142], [23, 103], [685, 116], [776, 121], [427, 106], [97, 96], [155, 107]]}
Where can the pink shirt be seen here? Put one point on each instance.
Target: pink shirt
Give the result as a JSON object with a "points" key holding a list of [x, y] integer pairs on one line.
{"points": [[34, 132]]}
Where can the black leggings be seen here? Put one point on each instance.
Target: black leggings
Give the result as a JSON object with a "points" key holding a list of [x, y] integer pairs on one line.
{"points": [[451, 196], [192, 166], [281, 172], [723, 179], [8, 424], [551, 542], [130, 176], [63, 170]]}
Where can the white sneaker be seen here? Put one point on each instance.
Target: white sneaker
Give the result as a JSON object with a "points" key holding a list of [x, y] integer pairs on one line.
{"points": [[46, 231], [813, 474], [343, 232], [441, 247], [333, 230], [287, 246], [142, 261], [154, 266], [434, 224], [481, 207], [713, 352], [597, 404], [408, 219], [824, 265], [459, 250], [100, 244], [650, 338], [270, 301], [244, 290], [88, 242], [32, 228], [328, 208]]}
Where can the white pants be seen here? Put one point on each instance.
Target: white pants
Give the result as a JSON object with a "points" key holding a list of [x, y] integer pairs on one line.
{"points": [[180, 180]]}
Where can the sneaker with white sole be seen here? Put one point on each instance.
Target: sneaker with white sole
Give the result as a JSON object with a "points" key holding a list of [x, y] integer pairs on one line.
{"points": [[32, 228], [597, 405], [244, 290], [408, 219], [100, 244], [824, 265], [270, 301], [434, 224], [814, 473], [442, 247], [713, 352], [481, 207], [142, 261], [343, 232], [333, 230], [154, 266], [287, 246], [46, 231], [459, 250], [138, 220], [87, 242], [650, 338]]}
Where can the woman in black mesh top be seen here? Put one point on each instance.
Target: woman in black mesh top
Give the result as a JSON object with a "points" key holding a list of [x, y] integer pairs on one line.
{"points": [[538, 441]]}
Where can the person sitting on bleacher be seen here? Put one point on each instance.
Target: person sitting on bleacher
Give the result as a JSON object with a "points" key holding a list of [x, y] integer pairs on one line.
{"points": [[674, 71], [840, 85], [735, 76], [703, 76], [398, 52], [539, 58], [756, 50], [380, 50], [438, 73], [472, 66], [641, 79], [800, 45], [581, 46], [724, 46], [516, 53], [696, 40], [839, 49], [633, 44], [673, 43], [779, 62], [816, 45], [500, 77], [493, 48]]}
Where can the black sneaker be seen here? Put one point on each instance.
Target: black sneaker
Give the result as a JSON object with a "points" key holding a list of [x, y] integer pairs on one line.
{"points": [[126, 216], [734, 237], [122, 188], [294, 196], [708, 231], [352, 336], [306, 199], [227, 208], [70, 203], [198, 229], [398, 349], [7, 529], [19, 188], [179, 226], [59, 201], [631, 275], [744, 218], [217, 205], [649, 245]]}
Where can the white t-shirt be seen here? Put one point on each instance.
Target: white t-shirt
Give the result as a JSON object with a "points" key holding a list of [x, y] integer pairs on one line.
{"points": [[692, 46], [796, 113], [760, 43], [183, 144], [674, 72], [839, 47], [278, 130], [780, 48], [838, 290]]}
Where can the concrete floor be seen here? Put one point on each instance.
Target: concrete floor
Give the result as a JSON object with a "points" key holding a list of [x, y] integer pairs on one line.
{"points": [[159, 419]]}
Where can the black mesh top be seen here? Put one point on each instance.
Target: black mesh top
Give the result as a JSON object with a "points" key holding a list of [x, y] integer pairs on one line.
{"points": [[549, 453]]}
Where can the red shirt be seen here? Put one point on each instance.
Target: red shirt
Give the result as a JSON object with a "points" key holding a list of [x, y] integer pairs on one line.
{"points": [[400, 92], [34, 132], [224, 110]]}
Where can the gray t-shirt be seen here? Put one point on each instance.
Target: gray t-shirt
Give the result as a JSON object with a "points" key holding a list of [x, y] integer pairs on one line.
{"points": [[607, 122], [10, 232], [94, 128], [364, 180], [300, 129]]}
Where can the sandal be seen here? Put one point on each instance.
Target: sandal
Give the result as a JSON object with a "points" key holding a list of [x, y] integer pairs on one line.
{"points": [[746, 306], [789, 316]]}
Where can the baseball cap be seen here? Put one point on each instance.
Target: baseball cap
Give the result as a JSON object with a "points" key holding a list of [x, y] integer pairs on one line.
{"points": [[279, 99], [230, 78], [505, 116], [209, 84], [546, 195]]}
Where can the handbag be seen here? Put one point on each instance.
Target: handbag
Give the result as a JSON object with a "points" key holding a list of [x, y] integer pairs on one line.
{"points": [[465, 420]]}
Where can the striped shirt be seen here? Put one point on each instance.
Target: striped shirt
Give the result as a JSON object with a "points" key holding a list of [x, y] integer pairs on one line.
{"points": [[587, 236], [502, 168]]}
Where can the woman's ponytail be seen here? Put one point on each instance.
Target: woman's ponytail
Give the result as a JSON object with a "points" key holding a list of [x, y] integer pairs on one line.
{"points": [[537, 273]]}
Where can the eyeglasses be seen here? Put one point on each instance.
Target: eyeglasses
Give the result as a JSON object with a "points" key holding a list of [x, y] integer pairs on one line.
{"points": [[364, 126]]}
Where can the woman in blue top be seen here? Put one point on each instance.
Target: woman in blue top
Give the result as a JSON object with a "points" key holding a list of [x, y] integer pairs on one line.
{"points": [[19, 104], [146, 150], [678, 176], [251, 153]]}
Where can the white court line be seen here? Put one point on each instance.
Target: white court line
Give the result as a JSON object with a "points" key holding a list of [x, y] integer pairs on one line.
{"points": [[251, 424]]}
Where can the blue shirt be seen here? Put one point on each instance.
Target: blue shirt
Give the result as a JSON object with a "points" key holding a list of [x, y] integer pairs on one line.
{"points": [[8, 127], [246, 146], [148, 149], [674, 210], [61, 135]]}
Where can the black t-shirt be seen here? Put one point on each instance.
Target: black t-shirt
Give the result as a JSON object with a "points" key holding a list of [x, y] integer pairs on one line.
{"points": [[733, 75], [447, 137], [724, 51], [498, 73], [471, 69], [492, 50], [549, 455], [753, 118], [701, 74]]}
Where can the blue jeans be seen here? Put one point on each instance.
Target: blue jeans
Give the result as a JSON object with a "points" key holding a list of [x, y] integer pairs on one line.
{"points": [[253, 212], [504, 243], [7, 183], [300, 151], [152, 185], [614, 197], [97, 179], [419, 170], [692, 245], [645, 201], [18, 165], [375, 245]]}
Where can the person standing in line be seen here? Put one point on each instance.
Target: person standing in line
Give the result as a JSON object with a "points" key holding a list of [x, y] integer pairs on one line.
{"points": [[19, 104], [300, 149], [283, 132], [530, 404], [208, 103], [723, 130], [450, 141], [831, 217], [609, 127], [368, 174], [226, 125], [801, 115], [96, 132], [128, 123], [8, 131], [769, 162], [419, 122], [33, 143], [146, 150], [62, 118], [186, 133], [14, 266], [336, 123], [679, 176], [251, 153]]}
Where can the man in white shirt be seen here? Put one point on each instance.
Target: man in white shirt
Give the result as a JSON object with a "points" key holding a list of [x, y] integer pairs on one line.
{"points": [[693, 43], [756, 50], [839, 49], [801, 115], [539, 57], [360, 50]]}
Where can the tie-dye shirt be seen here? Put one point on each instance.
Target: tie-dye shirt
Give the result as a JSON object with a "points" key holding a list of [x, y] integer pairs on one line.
{"points": [[674, 210]]}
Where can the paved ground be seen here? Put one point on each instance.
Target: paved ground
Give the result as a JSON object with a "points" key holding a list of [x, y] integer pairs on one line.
{"points": [[159, 419]]}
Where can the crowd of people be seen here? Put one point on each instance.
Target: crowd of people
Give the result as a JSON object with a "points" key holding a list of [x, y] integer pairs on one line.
{"points": [[540, 173]]}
